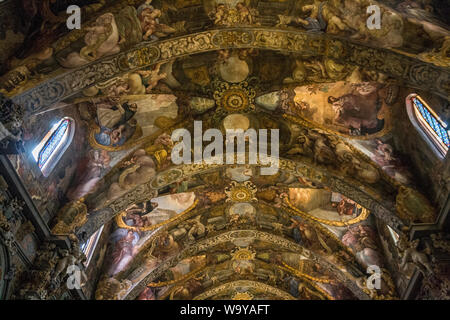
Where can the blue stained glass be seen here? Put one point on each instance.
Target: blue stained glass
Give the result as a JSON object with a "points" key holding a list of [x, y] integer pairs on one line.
{"points": [[84, 245], [52, 143], [441, 132]]}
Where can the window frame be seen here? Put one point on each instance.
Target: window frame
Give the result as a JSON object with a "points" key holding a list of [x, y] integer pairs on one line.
{"points": [[61, 148], [88, 248], [422, 126]]}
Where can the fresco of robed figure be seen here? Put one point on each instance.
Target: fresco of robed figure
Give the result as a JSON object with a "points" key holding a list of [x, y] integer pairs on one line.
{"points": [[120, 122], [356, 109]]}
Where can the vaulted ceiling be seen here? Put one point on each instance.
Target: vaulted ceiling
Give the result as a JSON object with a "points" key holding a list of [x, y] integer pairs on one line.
{"points": [[309, 231]]}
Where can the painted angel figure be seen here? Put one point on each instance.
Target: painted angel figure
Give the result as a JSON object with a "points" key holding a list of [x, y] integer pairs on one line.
{"points": [[150, 78], [123, 250], [245, 15], [149, 16], [96, 36], [115, 121], [220, 15]]}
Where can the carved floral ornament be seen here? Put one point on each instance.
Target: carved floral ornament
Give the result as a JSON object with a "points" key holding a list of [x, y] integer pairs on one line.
{"points": [[70, 217], [235, 98], [243, 254], [241, 192]]}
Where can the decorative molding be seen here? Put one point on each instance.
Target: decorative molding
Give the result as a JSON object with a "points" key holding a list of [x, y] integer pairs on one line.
{"points": [[383, 209], [410, 71], [31, 212], [234, 285], [280, 242]]}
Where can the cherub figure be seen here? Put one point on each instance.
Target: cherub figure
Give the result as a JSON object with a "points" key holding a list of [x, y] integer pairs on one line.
{"points": [[410, 254], [149, 18], [150, 78], [245, 15], [148, 23], [120, 87], [223, 55], [96, 36], [330, 13], [315, 20], [220, 15]]}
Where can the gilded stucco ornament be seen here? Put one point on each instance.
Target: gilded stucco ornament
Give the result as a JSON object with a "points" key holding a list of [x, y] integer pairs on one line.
{"points": [[241, 192], [412, 206], [73, 215], [232, 98], [243, 254], [242, 296], [361, 217], [45, 278], [112, 289]]}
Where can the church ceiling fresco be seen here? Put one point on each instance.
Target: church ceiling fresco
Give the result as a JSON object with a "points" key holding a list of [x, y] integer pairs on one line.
{"points": [[119, 27], [138, 70], [354, 237]]}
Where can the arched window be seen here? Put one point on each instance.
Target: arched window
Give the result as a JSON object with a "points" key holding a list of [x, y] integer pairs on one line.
{"points": [[52, 147], [430, 126], [89, 246], [395, 236]]}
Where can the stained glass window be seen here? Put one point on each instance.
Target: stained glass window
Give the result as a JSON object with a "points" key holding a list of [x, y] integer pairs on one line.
{"points": [[52, 143], [395, 236], [432, 125], [49, 150], [89, 246]]}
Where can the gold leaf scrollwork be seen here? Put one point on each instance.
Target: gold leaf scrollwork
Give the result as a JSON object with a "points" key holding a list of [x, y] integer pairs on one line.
{"points": [[361, 217], [70, 217]]}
